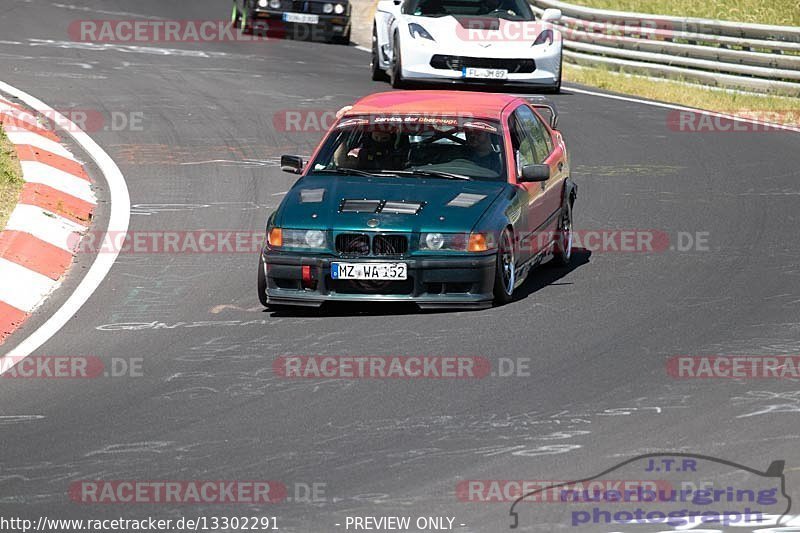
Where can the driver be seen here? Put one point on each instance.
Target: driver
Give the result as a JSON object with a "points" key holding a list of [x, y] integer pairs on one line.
{"points": [[481, 152], [378, 152]]}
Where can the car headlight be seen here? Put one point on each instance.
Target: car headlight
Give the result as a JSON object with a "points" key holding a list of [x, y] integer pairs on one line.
{"points": [[546, 37], [339, 9], [327, 8], [262, 3], [418, 31], [456, 242], [275, 4], [297, 238]]}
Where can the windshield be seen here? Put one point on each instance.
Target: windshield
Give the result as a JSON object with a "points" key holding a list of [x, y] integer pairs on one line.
{"points": [[415, 145], [508, 9]]}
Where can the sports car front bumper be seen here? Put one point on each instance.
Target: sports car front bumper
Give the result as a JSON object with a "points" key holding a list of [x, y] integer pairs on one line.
{"points": [[417, 59], [433, 282]]}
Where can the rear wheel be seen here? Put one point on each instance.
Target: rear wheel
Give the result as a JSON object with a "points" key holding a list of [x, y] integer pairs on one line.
{"points": [[506, 271], [563, 245]]}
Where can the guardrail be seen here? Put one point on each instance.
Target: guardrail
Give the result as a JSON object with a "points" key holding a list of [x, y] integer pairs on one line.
{"points": [[754, 57]]}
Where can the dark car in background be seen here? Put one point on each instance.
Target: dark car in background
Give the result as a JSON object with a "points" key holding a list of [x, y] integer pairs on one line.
{"points": [[299, 19]]}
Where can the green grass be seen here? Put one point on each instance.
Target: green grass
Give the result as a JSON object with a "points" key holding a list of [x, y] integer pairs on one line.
{"points": [[784, 110], [781, 12], [10, 178]]}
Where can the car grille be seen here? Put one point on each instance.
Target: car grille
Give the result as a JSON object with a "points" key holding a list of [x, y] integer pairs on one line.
{"points": [[513, 66], [352, 244], [345, 286], [301, 6], [389, 245], [358, 244]]}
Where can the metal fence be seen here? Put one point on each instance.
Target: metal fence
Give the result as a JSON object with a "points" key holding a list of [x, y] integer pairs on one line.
{"points": [[754, 57]]}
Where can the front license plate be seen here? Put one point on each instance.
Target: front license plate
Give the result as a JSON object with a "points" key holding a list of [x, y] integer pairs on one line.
{"points": [[369, 271], [302, 18], [485, 73]]}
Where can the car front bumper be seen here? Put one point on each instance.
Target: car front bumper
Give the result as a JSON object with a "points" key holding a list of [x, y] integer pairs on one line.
{"points": [[433, 282], [416, 65]]}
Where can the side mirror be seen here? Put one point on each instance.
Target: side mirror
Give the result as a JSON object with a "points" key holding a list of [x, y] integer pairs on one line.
{"points": [[535, 173], [292, 164], [551, 15]]}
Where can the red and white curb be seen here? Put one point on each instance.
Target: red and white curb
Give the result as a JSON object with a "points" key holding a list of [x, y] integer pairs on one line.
{"points": [[43, 232]]}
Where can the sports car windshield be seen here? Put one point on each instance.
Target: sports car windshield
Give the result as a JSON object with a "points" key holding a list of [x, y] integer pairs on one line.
{"points": [[508, 9], [442, 147]]}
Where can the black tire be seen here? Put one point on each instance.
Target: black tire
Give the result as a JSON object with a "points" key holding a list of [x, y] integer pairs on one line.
{"points": [[262, 282], [235, 16], [378, 73], [562, 254], [244, 23], [397, 66], [505, 275]]}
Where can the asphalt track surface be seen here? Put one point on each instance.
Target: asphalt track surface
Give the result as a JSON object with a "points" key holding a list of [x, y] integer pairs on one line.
{"points": [[209, 406]]}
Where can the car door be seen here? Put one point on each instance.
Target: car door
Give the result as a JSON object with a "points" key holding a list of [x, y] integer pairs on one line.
{"points": [[547, 205]]}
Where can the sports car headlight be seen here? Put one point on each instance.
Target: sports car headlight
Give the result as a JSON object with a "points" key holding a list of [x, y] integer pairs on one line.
{"points": [[338, 9], [275, 4], [456, 242], [262, 3], [546, 37], [418, 31], [297, 238], [327, 8]]}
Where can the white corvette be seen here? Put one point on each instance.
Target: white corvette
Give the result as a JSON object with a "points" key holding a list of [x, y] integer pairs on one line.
{"points": [[484, 41]]}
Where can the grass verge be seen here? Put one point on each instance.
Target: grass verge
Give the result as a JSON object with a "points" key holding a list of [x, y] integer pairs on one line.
{"points": [[10, 178], [783, 110], [780, 12]]}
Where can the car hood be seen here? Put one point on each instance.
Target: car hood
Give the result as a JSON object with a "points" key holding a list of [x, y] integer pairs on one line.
{"points": [[336, 203], [482, 36]]}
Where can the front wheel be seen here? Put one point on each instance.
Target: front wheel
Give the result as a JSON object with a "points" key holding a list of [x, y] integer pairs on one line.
{"points": [[375, 66], [563, 245], [505, 276], [397, 66]]}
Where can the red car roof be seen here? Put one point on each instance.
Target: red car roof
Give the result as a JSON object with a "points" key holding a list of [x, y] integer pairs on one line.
{"points": [[483, 105]]}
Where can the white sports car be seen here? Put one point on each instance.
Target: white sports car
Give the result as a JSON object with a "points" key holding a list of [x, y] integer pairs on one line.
{"points": [[485, 41]]}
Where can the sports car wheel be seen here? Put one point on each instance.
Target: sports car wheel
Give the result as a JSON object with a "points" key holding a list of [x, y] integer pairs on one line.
{"points": [[262, 282], [506, 272], [397, 66], [377, 72], [564, 237]]}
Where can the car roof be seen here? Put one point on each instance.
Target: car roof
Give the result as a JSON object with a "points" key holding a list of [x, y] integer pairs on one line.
{"points": [[483, 105]]}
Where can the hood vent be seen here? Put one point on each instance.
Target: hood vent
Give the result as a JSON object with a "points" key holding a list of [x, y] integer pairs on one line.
{"points": [[466, 199], [401, 208], [311, 196], [359, 206], [380, 206]]}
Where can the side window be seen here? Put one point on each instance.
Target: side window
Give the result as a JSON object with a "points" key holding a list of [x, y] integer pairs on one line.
{"points": [[522, 143], [534, 127]]}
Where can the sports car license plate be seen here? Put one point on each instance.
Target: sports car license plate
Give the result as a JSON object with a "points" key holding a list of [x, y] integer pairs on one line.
{"points": [[485, 73], [302, 18], [369, 271]]}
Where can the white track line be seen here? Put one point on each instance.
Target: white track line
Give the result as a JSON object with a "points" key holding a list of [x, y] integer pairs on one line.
{"points": [[683, 108], [119, 218], [29, 288], [47, 226], [36, 172]]}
